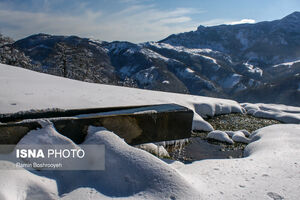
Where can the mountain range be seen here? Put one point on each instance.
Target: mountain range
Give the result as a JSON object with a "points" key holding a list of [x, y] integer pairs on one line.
{"points": [[245, 62]]}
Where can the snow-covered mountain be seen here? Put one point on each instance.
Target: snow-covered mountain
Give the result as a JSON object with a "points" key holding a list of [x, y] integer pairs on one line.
{"points": [[243, 62], [263, 43]]}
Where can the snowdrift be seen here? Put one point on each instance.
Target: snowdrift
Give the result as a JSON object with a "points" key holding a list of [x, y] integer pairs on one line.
{"points": [[270, 170]]}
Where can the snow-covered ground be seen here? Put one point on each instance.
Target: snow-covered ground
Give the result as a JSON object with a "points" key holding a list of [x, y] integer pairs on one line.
{"points": [[271, 169], [24, 90]]}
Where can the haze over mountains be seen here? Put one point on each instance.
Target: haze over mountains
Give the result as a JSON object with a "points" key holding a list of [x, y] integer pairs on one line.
{"points": [[246, 62]]}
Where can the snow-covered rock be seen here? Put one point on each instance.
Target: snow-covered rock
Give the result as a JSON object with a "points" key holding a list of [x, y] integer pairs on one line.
{"points": [[239, 136], [245, 132], [220, 136]]}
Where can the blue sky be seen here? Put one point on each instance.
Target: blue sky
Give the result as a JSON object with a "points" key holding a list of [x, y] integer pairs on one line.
{"points": [[132, 20]]}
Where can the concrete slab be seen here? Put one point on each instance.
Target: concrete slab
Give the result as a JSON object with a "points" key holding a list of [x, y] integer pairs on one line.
{"points": [[136, 125]]}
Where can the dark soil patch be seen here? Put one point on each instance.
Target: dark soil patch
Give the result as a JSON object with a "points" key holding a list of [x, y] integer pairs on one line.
{"points": [[237, 121]]}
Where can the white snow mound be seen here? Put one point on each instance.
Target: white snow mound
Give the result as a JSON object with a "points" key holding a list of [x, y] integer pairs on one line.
{"points": [[21, 184], [220, 136], [239, 136], [129, 173], [283, 113]]}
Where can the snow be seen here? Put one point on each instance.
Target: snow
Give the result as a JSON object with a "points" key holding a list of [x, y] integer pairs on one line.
{"points": [[151, 54], [189, 70], [48, 136], [116, 48], [210, 59], [230, 136], [216, 66], [230, 133], [231, 81], [253, 69], [192, 51], [147, 111], [22, 184], [146, 76], [129, 172], [271, 168], [45, 136], [283, 113], [239, 136], [288, 64], [24, 90], [245, 132], [220, 136], [179, 48], [97, 41], [270, 171]]}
